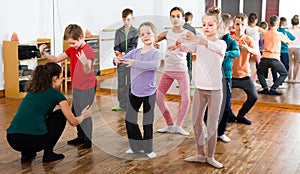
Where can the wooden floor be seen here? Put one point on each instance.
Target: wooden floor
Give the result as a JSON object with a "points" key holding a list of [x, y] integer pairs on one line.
{"points": [[269, 145]]}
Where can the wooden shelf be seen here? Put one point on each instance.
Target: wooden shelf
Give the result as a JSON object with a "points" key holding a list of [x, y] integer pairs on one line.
{"points": [[11, 66]]}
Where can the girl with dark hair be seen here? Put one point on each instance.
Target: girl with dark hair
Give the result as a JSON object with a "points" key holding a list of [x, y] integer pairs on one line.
{"points": [[253, 31], [36, 126], [174, 69], [294, 50]]}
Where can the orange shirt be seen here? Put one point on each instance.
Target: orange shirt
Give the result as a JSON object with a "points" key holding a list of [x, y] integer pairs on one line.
{"points": [[272, 41], [241, 65]]}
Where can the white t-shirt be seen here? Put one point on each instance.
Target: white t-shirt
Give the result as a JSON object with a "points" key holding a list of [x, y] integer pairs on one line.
{"points": [[295, 43], [175, 60], [208, 66], [254, 33]]}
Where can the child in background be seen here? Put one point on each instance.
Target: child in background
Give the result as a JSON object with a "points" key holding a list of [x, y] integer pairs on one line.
{"points": [[210, 52], [271, 57], [241, 68], [232, 52], [263, 25], [126, 39], [188, 17], [82, 77], [253, 31], [174, 69], [284, 52], [294, 50], [144, 63]]}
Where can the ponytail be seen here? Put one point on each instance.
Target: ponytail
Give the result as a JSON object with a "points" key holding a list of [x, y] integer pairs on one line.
{"points": [[41, 77]]}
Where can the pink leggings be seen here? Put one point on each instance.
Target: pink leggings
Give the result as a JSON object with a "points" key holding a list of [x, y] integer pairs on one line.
{"points": [[165, 82]]}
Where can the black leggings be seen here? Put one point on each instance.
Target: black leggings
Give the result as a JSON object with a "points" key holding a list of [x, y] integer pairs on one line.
{"points": [[55, 123], [137, 141]]}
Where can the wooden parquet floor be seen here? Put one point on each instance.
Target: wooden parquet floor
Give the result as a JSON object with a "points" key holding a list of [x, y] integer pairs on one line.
{"points": [[269, 145]]}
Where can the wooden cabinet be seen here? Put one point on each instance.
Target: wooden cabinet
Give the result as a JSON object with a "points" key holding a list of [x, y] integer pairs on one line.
{"points": [[94, 42], [13, 74]]}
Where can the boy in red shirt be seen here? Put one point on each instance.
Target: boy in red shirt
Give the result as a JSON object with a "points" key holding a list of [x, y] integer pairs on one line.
{"points": [[82, 77]]}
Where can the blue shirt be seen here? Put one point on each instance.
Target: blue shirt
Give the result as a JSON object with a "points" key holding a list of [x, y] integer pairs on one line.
{"points": [[143, 71], [232, 51], [284, 46]]}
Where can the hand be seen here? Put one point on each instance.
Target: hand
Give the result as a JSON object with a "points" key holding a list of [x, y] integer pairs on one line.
{"points": [[42, 48], [129, 62], [243, 47], [81, 56], [118, 60], [119, 54], [86, 112], [156, 45], [175, 46]]}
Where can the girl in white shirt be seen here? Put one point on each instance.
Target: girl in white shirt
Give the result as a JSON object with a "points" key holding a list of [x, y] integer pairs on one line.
{"points": [[253, 31], [174, 69], [210, 52]]}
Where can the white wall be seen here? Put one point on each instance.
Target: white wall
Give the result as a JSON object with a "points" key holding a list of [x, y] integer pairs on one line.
{"points": [[34, 18], [288, 9], [30, 19]]}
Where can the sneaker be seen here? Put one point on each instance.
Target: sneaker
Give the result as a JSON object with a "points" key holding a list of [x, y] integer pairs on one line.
{"points": [[214, 163], [243, 120], [117, 108], [274, 92], [180, 130], [196, 159], [232, 119], [169, 129], [52, 157], [224, 138], [151, 155], [264, 91], [75, 141], [27, 156]]}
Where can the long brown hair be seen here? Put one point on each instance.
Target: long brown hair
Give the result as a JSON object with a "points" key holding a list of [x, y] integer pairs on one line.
{"points": [[41, 77]]}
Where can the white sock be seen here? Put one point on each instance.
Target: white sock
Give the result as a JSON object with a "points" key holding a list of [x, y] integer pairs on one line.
{"points": [[169, 128], [196, 158], [129, 151], [214, 163], [151, 155], [180, 130]]}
